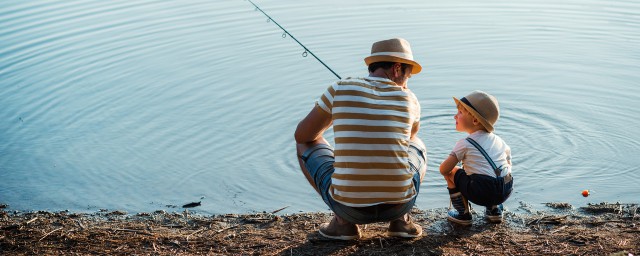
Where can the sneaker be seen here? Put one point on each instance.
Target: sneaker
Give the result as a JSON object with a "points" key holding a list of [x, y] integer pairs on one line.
{"points": [[494, 213], [461, 212], [460, 218], [335, 230], [404, 227]]}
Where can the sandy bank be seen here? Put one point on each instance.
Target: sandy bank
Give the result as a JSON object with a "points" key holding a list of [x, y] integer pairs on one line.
{"points": [[601, 229]]}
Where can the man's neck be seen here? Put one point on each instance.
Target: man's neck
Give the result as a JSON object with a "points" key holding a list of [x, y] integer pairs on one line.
{"points": [[379, 73]]}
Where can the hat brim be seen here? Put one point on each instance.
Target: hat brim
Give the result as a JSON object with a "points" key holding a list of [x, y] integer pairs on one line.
{"points": [[475, 114], [382, 58]]}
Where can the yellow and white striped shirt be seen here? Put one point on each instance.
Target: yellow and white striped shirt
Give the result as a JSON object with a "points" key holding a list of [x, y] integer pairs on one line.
{"points": [[372, 121]]}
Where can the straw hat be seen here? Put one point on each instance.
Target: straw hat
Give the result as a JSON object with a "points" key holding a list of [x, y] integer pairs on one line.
{"points": [[482, 106], [393, 50]]}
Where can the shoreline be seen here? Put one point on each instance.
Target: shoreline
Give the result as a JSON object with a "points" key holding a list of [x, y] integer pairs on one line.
{"points": [[600, 229]]}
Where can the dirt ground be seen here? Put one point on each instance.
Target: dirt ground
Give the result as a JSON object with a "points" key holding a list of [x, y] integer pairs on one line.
{"points": [[599, 229]]}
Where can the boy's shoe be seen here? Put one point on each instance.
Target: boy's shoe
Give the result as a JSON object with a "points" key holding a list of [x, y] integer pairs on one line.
{"points": [[335, 230], [494, 213], [404, 227], [464, 219], [461, 212]]}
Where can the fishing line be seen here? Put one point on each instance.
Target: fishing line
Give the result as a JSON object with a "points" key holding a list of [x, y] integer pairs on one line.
{"points": [[306, 50]]}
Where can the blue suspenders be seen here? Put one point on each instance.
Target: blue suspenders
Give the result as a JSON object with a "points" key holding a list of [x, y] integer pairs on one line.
{"points": [[505, 185], [496, 169]]}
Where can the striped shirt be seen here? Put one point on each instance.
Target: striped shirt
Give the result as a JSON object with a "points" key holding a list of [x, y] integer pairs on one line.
{"points": [[372, 121]]}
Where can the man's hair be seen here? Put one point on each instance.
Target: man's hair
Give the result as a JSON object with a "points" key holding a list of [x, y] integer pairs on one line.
{"points": [[385, 65]]}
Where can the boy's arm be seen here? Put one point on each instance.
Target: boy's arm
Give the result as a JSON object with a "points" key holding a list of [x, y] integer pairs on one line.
{"points": [[448, 164]]}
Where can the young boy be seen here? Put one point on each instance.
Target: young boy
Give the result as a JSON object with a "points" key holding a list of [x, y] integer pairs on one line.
{"points": [[485, 176]]}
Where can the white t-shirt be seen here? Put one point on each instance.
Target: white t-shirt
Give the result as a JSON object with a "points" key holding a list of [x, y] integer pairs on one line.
{"points": [[474, 162]]}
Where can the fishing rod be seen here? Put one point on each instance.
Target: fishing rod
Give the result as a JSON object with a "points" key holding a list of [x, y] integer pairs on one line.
{"points": [[306, 50]]}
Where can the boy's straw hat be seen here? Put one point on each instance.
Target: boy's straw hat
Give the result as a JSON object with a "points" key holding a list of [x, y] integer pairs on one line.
{"points": [[393, 50], [482, 106]]}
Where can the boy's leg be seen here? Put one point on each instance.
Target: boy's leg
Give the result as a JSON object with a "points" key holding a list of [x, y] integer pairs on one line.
{"points": [[461, 212], [316, 162], [450, 178], [494, 213]]}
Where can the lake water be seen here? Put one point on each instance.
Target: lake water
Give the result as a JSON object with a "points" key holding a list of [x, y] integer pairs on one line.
{"points": [[136, 105]]}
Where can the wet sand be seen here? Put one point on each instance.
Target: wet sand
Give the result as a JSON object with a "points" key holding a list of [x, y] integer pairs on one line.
{"points": [[561, 229]]}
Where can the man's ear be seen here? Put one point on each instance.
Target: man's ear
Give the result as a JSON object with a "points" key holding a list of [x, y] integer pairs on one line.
{"points": [[397, 69]]}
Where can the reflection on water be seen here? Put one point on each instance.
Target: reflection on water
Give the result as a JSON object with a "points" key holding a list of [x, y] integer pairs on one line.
{"points": [[136, 105]]}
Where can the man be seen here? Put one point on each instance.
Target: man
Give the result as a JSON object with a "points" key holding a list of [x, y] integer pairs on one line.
{"points": [[375, 171]]}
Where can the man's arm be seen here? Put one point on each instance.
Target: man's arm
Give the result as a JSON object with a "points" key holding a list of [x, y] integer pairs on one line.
{"points": [[414, 129], [313, 126]]}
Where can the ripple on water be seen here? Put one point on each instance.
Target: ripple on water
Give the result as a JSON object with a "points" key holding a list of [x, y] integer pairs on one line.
{"points": [[124, 102]]}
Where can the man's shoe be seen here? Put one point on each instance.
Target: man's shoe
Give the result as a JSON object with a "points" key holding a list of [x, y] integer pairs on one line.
{"points": [[460, 218], [404, 227], [335, 230], [494, 214]]}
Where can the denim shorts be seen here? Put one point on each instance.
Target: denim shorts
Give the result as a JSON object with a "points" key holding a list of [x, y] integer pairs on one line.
{"points": [[482, 189], [319, 161]]}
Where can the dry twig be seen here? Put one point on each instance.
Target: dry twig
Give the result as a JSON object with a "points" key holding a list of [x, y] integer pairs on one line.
{"points": [[231, 227], [133, 231], [280, 209], [49, 233], [31, 220], [558, 229], [196, 232]]}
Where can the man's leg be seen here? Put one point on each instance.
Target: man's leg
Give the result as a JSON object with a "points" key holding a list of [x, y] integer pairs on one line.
{"points": [[420, 156], [303, 147], [338, 228], [403, 226]]}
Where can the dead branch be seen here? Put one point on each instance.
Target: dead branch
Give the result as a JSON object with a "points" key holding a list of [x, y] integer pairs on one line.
{"points": [[196, 232], [227, 228], [133, 231], [31, 220], [280, 209], [49, 233]]}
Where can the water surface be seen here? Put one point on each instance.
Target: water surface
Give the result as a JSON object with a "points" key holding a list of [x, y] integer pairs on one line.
{"points": [[138, 104]]}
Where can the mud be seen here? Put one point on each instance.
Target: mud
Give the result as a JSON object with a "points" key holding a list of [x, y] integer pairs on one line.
{"points": [[599, 229]]}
